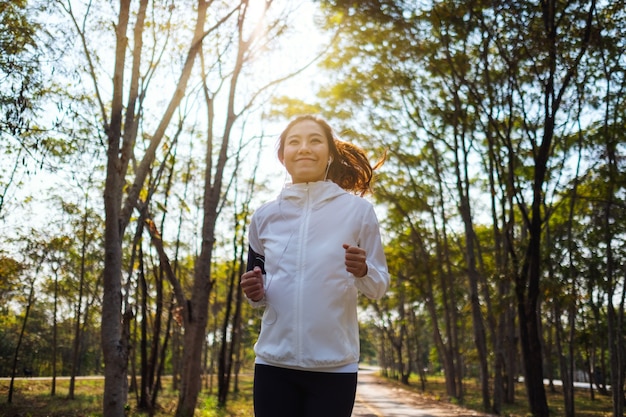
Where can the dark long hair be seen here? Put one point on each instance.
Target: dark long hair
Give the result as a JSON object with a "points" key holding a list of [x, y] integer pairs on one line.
{"points": [[350, 168]]}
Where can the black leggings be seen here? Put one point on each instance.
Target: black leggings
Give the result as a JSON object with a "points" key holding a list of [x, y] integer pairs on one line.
{"points": [[281, 392]]}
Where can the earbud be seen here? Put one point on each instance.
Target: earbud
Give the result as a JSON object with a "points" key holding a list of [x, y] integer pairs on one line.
{"points": [[330, 161]]}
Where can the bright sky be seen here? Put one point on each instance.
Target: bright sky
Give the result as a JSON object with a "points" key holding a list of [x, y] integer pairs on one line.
{"points": [[299, 49]]}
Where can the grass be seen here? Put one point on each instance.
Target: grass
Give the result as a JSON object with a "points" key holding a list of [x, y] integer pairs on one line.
{"points": [[31, 398], [601, 406]]}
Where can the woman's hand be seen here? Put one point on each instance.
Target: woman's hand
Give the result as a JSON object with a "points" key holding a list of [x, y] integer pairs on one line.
{"points": [[355, 260], [252, 284]]}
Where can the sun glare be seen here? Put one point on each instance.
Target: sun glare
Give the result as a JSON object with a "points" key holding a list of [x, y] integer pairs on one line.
{"points": [[295, 49]]}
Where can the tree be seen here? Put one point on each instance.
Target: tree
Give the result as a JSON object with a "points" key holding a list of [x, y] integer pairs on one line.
{"points": [[89, 225], [556, 67], [469, 75], [120, 141], [20, 90], [35, 257], [120, 125], [230, 343], [226, 40]]}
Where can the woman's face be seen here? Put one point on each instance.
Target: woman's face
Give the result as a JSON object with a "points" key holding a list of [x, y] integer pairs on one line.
{"points": [[306, 153]]}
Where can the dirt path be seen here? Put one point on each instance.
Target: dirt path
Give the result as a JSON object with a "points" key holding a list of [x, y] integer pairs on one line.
{"points": [[376, 398]]}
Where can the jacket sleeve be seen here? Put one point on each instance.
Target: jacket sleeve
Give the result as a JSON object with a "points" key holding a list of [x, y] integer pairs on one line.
{"points": [[376, 282]]}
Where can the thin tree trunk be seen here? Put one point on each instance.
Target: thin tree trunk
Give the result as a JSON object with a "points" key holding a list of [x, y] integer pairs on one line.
{"points": [[567, 377], [237, 322], [79, 303], [176, 336], [615, 315], [142, 292], [53, 388], [452, 358], [153, 358], [568, 363], [163, 359], [224, 361], [404, 344], [225, 356], [136, 257], [462, 182], [31, 299], [240, 248], [499, 331]]}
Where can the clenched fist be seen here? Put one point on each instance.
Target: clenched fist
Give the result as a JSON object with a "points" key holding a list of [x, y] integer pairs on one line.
{"points": [[252, 284], [355, 260]]}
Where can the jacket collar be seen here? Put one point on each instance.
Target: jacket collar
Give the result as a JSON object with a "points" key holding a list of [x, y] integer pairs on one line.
{"points": [[315, 192]]}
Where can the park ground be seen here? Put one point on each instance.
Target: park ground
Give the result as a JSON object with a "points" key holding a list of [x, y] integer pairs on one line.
{"points": [[376, 397]]}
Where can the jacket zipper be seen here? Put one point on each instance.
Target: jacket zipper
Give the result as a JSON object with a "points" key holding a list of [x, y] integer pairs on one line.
{"points": [[304, 228]]}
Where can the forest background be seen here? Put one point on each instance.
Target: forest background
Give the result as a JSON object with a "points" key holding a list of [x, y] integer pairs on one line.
{"points": [[137, 138]]}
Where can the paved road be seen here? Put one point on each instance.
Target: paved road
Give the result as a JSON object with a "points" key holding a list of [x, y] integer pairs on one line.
{"points": [[375, 398]]}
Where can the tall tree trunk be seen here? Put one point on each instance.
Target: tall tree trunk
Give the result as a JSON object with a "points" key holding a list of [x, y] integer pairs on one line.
{"points": [[527, 285], [527, 291], [114, 328], [113, 335], [196, 320]]}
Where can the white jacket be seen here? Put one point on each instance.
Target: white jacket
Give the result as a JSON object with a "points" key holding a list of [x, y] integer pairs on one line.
{"points": [[310, 318]]}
